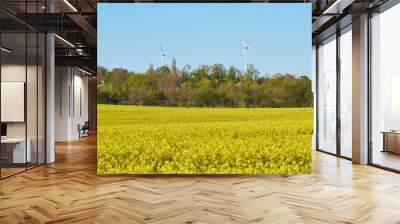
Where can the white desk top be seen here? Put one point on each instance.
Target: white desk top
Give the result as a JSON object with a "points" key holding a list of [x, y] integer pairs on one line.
{"points": [[13, 140]]}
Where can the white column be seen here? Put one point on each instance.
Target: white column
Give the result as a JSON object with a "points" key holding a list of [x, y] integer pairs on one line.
{"points": [[50, 99], [360, 90], [62, 103]]}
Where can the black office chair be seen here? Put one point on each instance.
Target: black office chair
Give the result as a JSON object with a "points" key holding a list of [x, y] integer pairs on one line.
{"points": [[84, 130]]}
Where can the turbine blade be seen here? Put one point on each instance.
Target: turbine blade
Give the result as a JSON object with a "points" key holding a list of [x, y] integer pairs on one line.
{"points": [[161, 49]]}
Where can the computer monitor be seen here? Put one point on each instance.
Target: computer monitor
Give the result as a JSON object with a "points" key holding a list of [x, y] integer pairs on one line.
{"points": [[3, 129]]}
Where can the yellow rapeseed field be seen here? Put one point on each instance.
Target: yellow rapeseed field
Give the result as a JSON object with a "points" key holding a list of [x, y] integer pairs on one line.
{"points": [[170, 140]]}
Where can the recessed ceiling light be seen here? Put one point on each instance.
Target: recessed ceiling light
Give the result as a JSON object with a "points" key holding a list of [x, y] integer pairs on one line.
{"points": [[65, 41], [70, 5], [86, 72], [5, 50], [338, 6]]}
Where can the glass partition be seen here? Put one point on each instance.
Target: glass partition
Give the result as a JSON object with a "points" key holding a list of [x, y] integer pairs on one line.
{"points": [[22, 78], [32, 97], [35, 88], [327, 95], [14, 153], [346, 92], [385, 89]]}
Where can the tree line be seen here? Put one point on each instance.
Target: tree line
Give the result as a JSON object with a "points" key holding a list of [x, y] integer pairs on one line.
{"points": [[206, 86]]}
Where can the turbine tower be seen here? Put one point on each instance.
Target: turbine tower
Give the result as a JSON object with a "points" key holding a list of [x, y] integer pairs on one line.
{"points": [[245, 49], [163, 55]]}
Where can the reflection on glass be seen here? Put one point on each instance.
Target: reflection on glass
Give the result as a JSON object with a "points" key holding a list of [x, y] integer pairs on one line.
{"points": [[31, 101], [346, 93], [327, 96]]}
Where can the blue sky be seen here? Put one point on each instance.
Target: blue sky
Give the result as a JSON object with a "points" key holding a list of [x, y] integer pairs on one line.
{"points": [[196, 34]]}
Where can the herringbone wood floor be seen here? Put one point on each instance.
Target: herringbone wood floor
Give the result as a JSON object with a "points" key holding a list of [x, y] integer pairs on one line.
{"points": [[69, 191]]}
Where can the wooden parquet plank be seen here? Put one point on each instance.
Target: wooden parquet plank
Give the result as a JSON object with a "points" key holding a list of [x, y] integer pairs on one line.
{"points": [[70, 191]]}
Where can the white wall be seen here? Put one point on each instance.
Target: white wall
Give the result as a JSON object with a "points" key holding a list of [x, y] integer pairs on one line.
{"points": [[71, 94], [62, 82], [80, 110], [17, 73], [33, 126], [14, 72]]}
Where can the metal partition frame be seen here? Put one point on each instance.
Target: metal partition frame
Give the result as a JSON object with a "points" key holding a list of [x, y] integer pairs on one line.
{"points": [[44, 82], [339, 32]]}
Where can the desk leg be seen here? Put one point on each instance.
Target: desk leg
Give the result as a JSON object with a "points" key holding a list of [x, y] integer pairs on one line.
{"points": [[384, 142]]}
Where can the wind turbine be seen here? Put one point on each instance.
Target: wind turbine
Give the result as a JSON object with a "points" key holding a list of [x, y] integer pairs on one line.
{"points": [[163, 55], [245, 49]]}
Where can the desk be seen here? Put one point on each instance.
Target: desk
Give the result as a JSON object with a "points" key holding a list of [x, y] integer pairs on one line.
{"points": [[391, 141], [17, 150]]}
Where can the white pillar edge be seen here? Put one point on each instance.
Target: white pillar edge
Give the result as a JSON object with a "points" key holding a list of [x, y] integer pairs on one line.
{"points": [[50, 99], [360, 90]]}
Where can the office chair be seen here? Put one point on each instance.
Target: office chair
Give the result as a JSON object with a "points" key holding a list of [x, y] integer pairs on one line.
{"points": [[84, 130]]}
